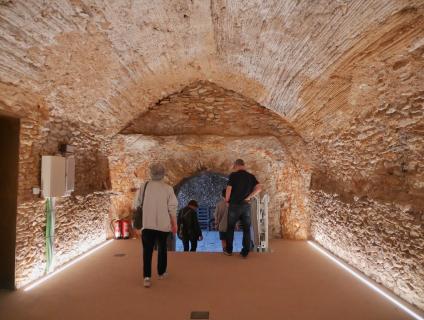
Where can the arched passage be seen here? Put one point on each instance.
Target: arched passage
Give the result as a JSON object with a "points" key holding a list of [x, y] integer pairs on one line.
{"points": [[195, 155], [205, 187], [205, 127]]}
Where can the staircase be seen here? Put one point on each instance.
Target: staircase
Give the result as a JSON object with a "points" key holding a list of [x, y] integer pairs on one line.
{"points": [[205, 217]]}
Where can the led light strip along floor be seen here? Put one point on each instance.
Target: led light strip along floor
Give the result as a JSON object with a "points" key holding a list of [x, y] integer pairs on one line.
{"points": [[357, 275], [364, 279], [66, 266]]}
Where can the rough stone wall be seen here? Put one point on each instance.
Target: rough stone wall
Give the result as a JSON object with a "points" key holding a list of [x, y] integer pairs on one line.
{"points": [[30, 242], [375, 169], [378, 156], [383, 240], [80, 225], [295, 212], [184, 156], [378, 150], [368, 193], [205, 187], [81, 218], [208, 109]]}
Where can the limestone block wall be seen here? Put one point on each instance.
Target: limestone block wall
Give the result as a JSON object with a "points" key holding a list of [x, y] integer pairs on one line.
{"points": [[383, 240]]}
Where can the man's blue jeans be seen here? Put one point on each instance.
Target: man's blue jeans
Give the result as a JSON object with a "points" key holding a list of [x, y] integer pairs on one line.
{"points": [[239, 212]]}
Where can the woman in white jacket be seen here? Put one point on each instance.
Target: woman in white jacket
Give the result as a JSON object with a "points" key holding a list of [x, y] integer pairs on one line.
{"points": [[159, 218]]}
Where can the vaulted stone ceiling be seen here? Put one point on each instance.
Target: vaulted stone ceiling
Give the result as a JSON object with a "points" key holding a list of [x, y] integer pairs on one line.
{"points": [[347, 77], [104, 62]]}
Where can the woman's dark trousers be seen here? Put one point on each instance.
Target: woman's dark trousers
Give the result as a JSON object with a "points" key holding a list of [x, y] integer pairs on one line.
{"points": [[149, 238]]}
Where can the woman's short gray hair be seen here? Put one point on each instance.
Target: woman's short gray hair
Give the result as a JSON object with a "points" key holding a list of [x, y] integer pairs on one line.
{"points": [[157, 171]]}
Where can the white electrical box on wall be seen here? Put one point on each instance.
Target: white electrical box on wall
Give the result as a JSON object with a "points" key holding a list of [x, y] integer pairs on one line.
{"points": [[70, 175], [53, 176]]}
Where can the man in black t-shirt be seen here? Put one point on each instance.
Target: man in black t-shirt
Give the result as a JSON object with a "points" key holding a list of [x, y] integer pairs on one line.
{"points": [[242, 186]]}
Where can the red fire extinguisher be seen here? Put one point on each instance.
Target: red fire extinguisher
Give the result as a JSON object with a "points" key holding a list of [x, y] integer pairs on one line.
{"points": [[117, 228], [125, 229], [121, 229]]}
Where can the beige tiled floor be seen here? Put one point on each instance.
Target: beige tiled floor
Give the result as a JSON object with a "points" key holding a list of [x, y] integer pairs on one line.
{"points": [[293, 282]]}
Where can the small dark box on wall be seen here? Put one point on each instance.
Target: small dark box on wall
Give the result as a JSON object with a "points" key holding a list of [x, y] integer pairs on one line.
{"points": [[66, 148]]}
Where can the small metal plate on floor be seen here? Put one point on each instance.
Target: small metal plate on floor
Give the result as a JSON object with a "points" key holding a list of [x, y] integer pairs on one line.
{"points": [[199, 315], [119, 255]]}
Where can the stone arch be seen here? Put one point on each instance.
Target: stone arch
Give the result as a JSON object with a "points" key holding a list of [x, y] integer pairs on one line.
{"points": [[204, 187], [203, 110], [184, 156]]}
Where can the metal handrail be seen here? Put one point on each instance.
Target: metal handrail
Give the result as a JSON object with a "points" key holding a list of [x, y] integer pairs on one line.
{"points": [[261, 239]]}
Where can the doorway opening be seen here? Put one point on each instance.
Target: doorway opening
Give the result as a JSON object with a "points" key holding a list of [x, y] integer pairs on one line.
{"points": [[205, 188], [9, 161]]}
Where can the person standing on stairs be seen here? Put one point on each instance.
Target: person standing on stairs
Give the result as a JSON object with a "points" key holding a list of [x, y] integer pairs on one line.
{"points": [[221, 220], [188, 226], [159, 218]]}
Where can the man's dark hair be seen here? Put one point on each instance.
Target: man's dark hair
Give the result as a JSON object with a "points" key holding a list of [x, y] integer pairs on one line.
{"points": [[224, 191], [193, 203], [239, 162]]}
